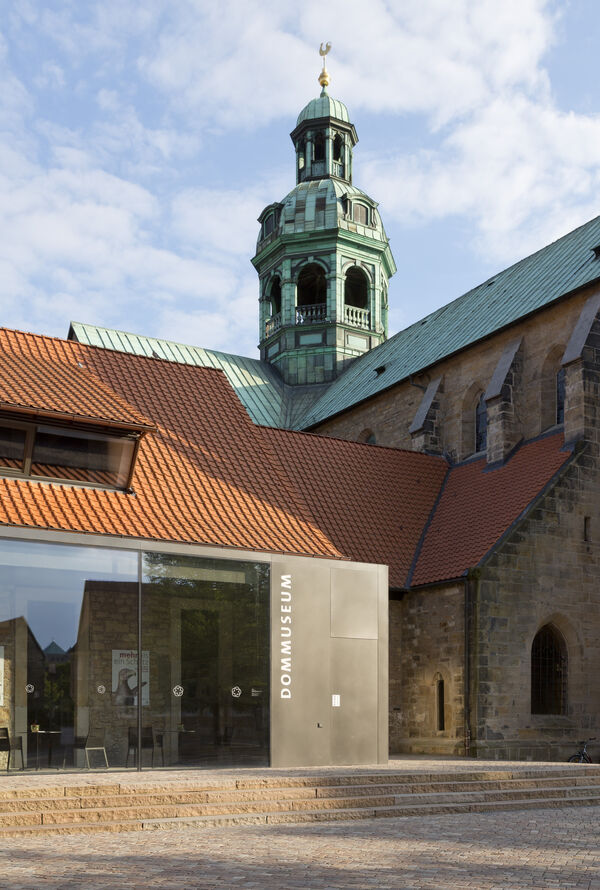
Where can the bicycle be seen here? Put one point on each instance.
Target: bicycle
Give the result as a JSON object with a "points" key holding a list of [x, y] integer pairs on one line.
{"points": [[582, 755]]}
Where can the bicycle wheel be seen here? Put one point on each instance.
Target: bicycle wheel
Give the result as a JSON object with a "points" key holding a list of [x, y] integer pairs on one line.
{"points": [[580, 758]]}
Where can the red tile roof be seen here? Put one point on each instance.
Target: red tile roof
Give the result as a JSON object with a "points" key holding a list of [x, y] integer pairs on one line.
{"points": [[372, 502], [57, 382], [206, 474], [478, 505]]}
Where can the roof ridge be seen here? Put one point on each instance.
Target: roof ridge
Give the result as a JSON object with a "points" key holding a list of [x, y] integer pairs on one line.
{"points": [[285, 430], [100, 327], [73, 344]]}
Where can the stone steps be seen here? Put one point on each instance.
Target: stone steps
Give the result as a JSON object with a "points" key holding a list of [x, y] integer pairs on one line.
{"points": [[277, 800]]}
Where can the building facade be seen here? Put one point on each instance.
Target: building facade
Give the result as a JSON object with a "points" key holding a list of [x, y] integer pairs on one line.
{"points": [[234, 555]]}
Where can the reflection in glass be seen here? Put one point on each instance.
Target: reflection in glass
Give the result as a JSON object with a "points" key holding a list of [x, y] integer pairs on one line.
{"points": [[82, 456], [64, 612], [205, 627], [12, 447]]}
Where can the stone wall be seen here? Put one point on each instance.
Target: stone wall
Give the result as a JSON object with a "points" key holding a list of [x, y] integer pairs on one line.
{"points": [[426, 645], [546, 572], [390, 414]]}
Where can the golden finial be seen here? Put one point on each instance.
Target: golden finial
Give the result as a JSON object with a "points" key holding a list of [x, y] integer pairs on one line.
{"points": [[324, 75]]}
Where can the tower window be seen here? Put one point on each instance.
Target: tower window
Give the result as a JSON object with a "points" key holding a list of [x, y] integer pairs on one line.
{"points": [[275, 295], [312, 285], [361, 214], [319, 147], [480, 424], [356, 291], [548, 672], [301, 155], [338, 145], [268, 225]]}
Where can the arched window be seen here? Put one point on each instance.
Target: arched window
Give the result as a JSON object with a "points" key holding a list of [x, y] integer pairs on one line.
{"points": [[549, 672], [338, 145], [319, 147], [440, 707], [275, 295], [301, 155], [361, 214], [268, 225], [480, 424], [356, 289], [560, 396], [312, 286], [552, 395]]}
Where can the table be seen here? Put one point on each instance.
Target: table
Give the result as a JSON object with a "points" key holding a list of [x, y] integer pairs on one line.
{"points": [[38, 733]]}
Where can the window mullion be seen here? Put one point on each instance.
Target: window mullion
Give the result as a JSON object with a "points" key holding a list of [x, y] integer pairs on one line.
{"points": [[29, 441]]}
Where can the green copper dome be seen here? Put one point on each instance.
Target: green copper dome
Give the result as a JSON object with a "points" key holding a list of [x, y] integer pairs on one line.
{"points": [[324, 106], [320, 205]]}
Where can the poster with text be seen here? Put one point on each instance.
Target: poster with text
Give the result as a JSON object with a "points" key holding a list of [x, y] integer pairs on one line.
{"points": [[125, 685]]}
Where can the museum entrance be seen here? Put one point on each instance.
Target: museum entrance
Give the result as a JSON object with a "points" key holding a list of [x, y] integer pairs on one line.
{"points": [[207, 623]]}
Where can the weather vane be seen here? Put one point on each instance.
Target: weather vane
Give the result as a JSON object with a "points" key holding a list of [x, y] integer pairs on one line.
{"points": [[324, 75]]}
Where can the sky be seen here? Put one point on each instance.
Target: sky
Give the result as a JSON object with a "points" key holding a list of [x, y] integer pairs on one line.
{"points": [[139, 142]]}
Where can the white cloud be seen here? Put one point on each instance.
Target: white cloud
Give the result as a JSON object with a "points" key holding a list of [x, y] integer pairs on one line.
{"points": [[525, 172], [107, 214]]}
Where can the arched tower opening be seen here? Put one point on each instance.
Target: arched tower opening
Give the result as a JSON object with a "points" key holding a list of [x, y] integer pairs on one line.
{"points": [[312, 286], [319, 147], [356, 288], [275, 295]]}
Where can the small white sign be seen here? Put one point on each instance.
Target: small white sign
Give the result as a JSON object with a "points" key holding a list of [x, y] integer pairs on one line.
{"points": [[335, 701]]}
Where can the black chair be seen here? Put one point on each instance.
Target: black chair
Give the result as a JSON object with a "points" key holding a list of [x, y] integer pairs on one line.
{"points": [[9, 745], [148, 744]]}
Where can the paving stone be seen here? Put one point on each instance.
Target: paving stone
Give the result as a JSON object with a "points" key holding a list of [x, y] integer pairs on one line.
{"points": [[534, 850]]}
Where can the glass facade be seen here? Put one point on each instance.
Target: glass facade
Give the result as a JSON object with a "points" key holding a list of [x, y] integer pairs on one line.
{"points": [[77, 690]]}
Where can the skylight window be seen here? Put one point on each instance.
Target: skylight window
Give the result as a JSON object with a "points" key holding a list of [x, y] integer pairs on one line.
{"points": [[81, 456]]}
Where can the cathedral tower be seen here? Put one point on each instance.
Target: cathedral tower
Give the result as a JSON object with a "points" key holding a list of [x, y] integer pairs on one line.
{"points": [[322, 255]]}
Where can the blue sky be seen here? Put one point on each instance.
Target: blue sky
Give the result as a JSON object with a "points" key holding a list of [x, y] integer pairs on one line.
{"points": [[139, 143]]}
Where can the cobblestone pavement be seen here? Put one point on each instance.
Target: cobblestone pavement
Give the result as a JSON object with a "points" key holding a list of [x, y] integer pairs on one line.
{"points": [[534, 849]]}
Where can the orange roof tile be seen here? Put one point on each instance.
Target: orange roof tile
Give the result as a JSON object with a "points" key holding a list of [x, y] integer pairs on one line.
{"points": [[479, 504], [42, 376], [204, 475], [372, 502]]}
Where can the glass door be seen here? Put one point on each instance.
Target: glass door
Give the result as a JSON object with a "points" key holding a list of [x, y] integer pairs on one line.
{"points": [[205, 637]]}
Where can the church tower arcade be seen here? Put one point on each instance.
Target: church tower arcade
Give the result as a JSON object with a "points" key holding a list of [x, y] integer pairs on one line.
{"points": [[322, 255]]}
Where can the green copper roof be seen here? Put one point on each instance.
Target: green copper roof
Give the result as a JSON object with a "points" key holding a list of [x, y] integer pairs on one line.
{"points": [[324, 106], [258, 386], [540, 279], [260, 389], [299, 211]]}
